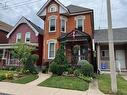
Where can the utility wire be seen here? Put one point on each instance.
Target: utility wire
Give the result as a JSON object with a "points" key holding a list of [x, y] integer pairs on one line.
{"points": [[18, 5]]}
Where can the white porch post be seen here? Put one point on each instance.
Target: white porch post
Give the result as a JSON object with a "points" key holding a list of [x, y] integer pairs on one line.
{"points": [[98, 56], [79, 53], [4, 50], [8, 58]]}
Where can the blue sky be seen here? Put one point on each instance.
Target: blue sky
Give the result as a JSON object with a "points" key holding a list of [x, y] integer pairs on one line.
{"points": [[13, 10]]}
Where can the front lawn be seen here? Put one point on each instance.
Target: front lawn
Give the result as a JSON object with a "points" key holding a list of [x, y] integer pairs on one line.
{"points": [[105, 84], [2, 72], [64, 82], [25, 79]]}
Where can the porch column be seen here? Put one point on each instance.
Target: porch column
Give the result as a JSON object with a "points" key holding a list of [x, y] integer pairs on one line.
{"points": [[98, 56], [79, 53], [8, 57], [4, 50]]}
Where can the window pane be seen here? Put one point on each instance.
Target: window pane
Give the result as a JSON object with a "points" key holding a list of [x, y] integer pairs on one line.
{"points": [[27, 37], [18, 37], [52, 25], [63, 25], [51, 50], [80, 24]]}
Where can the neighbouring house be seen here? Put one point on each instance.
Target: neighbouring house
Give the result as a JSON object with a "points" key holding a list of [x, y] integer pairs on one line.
{"points": [[70, 25], [120, 45], [4, 30], [26, 32]]}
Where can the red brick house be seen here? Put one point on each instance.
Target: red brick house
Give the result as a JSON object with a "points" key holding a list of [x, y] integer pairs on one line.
{"points": [[71, 25], [4, 30], [26, 32]]}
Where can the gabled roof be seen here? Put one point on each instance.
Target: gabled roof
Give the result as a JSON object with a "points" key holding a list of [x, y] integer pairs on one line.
{"points": [[34, 27], [45, 5], [77, 9], [119, 35], [5, 27], [74, 35], [70, 9]]}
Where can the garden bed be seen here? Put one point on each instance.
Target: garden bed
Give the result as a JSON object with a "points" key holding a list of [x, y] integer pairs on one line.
{"points": [[105, 84], [64, 82]]}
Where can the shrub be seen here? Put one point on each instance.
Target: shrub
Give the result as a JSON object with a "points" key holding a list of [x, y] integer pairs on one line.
{"points": [[83, 62], [87, 70], [2, 77], [9, 75], [45, 69], [59, 64], [77, 72], [57, 68], [71, 70]]}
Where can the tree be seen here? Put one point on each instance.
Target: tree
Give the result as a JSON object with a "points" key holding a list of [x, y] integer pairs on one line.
{"points": [[23, 53]]}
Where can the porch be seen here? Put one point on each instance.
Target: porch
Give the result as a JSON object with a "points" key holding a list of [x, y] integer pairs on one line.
{"points": [[103, 56], [77, 46]]}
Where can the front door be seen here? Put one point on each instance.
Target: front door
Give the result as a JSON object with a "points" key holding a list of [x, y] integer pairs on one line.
{"points": [[79, 53], [120, 56]]}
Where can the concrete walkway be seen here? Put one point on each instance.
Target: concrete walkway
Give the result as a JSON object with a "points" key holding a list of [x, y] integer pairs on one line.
{"points": [[125, 77], [42, 77], [93, 89], [32, 88]]}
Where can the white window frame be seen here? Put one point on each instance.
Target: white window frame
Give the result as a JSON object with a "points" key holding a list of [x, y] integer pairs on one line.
{"points": [[64, 24], [50, 18], [17, 37], [26, 37], [54, 7], [49, 42], [106, 53], [80, 18]]}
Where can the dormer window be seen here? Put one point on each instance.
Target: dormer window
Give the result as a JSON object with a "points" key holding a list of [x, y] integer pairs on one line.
{"points": [[18, 37], [53, 8], [80, 23], [27, 37]]}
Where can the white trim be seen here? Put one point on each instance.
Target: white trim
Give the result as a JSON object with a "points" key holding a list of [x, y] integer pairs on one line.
{"points": [[22, 20], [80, 13], [54, 42], [26, 35], [53, 6], [17, 36], [50, 18], [83, 20], [43, 7], [65, 19]]}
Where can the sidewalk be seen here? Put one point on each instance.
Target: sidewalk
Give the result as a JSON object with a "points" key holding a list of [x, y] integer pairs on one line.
{"points": [[32, 88]]}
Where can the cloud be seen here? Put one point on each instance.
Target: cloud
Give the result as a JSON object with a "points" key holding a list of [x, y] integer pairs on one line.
{"points": [[12, 14]]}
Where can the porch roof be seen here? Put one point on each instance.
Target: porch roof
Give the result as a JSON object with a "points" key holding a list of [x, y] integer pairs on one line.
{"points": [[74, 35], [119, 35]]}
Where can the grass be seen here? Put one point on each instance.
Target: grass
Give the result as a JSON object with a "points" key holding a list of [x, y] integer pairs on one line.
{"points": [[25, 79], [65, 82], [105, 84]]}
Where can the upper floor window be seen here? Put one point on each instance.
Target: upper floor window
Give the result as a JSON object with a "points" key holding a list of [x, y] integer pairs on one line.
{"points": [[52, 24], [18, 37], [27, 37], [80, 23], [53, 8], [63, 25]]}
